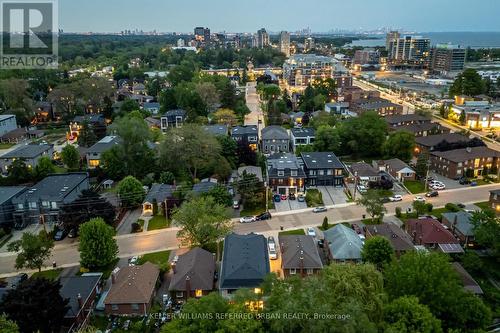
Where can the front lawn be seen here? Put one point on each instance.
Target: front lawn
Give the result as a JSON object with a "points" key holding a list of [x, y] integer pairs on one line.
{"points": [[158, 258], [293, 232], [158, 222], [252, 211], [5, 145], [483, 205], [51, 274], [314, 198], [415, 186]]}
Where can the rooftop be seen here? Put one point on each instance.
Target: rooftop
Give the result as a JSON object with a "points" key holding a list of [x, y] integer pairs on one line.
{"points": [[299, 251], [160, 192], [28, 151], [321, 160], [466, 154], [344, 243], [363, 169], [429, 231], [468, 281], [399, 239], [433, 140], [274, 132], [8, 192], [303, 132], [405, 118], [462, 220], [77, 286], [104, 144], [199, 266], [242, 130], [216, 129], [417, 127], [6, 116]]}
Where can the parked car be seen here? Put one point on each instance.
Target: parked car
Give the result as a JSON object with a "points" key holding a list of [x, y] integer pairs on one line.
{"points": [[60, 235], [432, 194], [133, 261], [464, 181], [419, 198], [395, 198], [283, 197], [271, 244], [321, 243], [311, 232], [277, 198], [301, 198], [263, 216], [236, 204], [291, 196], [460, 205], [385, 199], [319, 209], [247, 219]]}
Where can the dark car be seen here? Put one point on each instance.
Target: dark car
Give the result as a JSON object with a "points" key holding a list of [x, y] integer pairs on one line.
{"points": [[463, 181], [263, 216], [291, 196], [60, 235], [277, 198], [432, 194], [460, 205]]}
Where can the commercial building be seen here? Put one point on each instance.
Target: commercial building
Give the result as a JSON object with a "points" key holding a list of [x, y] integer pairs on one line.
{"points": [[478, 114], [446, 58], [261, 39], [366, 57], [42, 201], [285, 43], [408, 50], [468, 162], [309, 44], [202, 34], [300, 70]]}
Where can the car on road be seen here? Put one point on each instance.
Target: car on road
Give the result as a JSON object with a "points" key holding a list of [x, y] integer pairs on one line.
{"points": [[60, 235], [395, 198], [419, 198], [432, 194], [319, 209], [247, 219], [271, 244], [283, 197], [263, 216], [291, 196], [236, 204], [311, 232], [134, 261], [301, 198]]}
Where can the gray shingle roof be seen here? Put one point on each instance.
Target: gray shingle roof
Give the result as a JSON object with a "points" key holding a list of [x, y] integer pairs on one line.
{"points": [[468, 281], [242, 130], [160, 192], [274, 132], [8, 192], [404, 118], [466, 154], [463, 225], [175, 113], [245, 261], [363, 169], [432, 140], [53, 187], [344, 243], [414, 128], [28, 151], [321, 160], [284, 162], [396, 164], [295, 247], [399, 239], [203, 187], [303, 132], [216, 129], [104, 144], [199, 265], [73, 286]]}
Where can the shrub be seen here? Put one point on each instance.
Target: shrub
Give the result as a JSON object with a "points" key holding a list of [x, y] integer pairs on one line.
{"points": [[136, 227], [324, 226], [452, 207], [398, 212], [430, 207]]}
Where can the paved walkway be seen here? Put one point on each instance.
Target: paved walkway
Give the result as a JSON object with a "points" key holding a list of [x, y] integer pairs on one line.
{"points": [[125, 227]]}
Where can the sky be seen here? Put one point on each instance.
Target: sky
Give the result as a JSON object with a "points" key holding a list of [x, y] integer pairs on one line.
{"points": [[276, 15]]}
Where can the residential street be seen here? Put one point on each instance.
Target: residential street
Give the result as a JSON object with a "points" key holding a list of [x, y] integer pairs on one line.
{"points": [[253, 103], [137, 244]]}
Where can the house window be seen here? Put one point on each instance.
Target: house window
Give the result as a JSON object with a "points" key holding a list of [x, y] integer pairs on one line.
{"points": [[293, 271], [309, 271], [281, 173], [198, 293], [179, 294], [94, 163], [321, 172], [45, 203], [312, 173], [114, 307], [134, 306], [294, 173], [32, 205], [53, 205], [20, 206], [329, 172]]}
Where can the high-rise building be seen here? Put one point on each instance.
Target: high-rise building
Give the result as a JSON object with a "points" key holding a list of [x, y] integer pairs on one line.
{"points": [[301, 70], [202, 34], [409, 50], [392, 35], [366, 57], [262, 38], [447, 58], [309, 44], [285, 43]]}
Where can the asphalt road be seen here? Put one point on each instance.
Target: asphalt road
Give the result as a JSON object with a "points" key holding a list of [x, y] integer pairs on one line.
{"points": [[137, 244], [253, 103]]}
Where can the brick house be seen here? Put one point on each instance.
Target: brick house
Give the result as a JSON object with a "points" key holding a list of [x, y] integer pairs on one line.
{"points": [[343, 244], [193, 274], [430, 233], [406, 119], [299, 255], [285, 174], [132, 290], [455, 163], [427, 144], [382, 106], [460, 225], [422, 129], [396, 168], [400, 240]]}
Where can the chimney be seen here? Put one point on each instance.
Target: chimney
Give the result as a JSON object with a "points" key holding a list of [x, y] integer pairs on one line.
{"points": [[301, 263], [188, 286], [80, 301]]}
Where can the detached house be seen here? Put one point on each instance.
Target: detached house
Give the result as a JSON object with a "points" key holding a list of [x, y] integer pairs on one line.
{"points": [[159, 194], [30, 154], [248, 135], [302, 136], [193, 274], [495, 200], [94, 153], [364, 172], [461, 226], [323, 169], [430, 233], [400, 240], [299, 255], [398, 169], [275, 139], [245, 263], [285, 174], [344, 244], [173, 119]]}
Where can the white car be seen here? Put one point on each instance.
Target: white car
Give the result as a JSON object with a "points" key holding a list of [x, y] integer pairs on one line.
{"points": [[311, 231], [395, 198], [273, 254], [319, 209], [247, 219], [133, 261], [419, 198]]}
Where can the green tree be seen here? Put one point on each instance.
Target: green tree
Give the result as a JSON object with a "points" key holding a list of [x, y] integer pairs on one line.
{"points": [[469, 83], [378, 251], [400, 145], [202, 221], [19, 173], [44, 168], [419, 207], [8, 326], [324, 225], [221, 195], [251, 190], [113, 164], [97, 246], [87, 137], [327, 139], [372, 201], [131, 192], [322, 119], [70, 157], [422, 165], [167, 177], [363, 135], [407, 315], [225, 117], [229, 149], [487, 230], [32, 250], [36, 305], [87, 206]]}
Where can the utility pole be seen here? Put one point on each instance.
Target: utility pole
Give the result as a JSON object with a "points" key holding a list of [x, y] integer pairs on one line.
{"points": [[355, 185], [427, 176], [267, 196]]}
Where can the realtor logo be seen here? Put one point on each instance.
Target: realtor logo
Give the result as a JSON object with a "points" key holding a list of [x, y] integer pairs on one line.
{"points": [[29, 34]]}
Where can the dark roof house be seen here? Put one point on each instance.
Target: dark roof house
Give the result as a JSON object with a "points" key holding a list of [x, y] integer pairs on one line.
{"points": [[400, 240], [299, 254]]}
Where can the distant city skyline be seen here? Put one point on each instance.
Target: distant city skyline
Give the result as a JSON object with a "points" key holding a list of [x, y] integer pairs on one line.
{"points": [[276, 15]]}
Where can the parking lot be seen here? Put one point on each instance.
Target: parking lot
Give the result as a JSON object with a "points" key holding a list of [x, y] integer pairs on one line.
{"points": [[332, 195], [449, 183]]}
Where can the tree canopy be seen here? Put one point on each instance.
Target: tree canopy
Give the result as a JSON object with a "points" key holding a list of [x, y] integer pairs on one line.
{"points": [[97, 246], [32, 250]]}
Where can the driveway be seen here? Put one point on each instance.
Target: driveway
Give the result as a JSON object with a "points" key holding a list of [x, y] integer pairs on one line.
{"points": [[130, 217], [287, 205], [332, 195]]}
